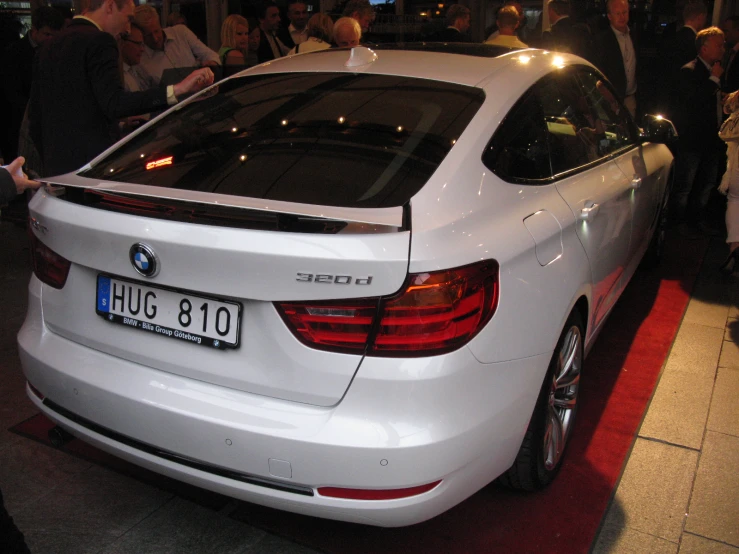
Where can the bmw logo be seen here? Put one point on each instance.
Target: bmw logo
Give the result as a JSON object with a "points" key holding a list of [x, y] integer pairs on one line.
{"points": [[144, 260]]}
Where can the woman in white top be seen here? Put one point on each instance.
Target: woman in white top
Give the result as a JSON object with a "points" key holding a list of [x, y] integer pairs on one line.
{"points": [[320, 30], [730, 187]]}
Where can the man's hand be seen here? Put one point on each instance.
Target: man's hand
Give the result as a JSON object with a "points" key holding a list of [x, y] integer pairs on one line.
{"points": [[196, 81], [21, 180]]}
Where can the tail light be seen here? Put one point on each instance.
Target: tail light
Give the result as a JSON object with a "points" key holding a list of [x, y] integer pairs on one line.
{"points": [[48, 266], [436, 312], [338, 326]]}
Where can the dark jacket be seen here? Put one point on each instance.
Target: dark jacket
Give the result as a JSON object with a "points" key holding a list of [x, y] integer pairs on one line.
{"points": [[264, 52], [450, 34], [610, 60], [284, 35], [77, 97], [16, 70], [730, 78], [683, 49], [697, 119], [7, 186], [561, 37]]}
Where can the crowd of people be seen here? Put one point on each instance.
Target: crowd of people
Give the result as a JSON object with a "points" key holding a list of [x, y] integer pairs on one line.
{"points": [[101, 74], [72, 86]]}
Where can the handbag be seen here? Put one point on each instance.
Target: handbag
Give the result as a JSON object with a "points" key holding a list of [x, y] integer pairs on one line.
{"points": [[729, 130]]}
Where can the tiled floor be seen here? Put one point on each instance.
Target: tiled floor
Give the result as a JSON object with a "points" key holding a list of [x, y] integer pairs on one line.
{"points": [[679, 491], [680, 488]]}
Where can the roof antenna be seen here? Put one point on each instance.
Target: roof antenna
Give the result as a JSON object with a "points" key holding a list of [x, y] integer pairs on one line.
{"points": [[360, 55]]}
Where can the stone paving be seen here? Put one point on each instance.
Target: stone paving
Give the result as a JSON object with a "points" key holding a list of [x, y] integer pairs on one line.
{"points": [[679, 491]]}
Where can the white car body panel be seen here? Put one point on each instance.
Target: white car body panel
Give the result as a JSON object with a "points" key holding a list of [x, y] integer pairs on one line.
{"points": [[274, 420], [385, 416]]}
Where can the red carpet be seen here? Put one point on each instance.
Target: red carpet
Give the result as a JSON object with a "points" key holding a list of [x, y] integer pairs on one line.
{"points": [[618, 381]]}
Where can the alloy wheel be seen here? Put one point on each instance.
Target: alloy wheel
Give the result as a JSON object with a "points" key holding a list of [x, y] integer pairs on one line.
{"points": [[563, 394]]}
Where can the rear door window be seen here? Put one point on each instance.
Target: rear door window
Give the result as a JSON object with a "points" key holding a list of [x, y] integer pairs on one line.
{"points": [[350, 140]]}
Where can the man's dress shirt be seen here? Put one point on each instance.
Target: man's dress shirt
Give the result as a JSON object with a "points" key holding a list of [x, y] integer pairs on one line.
{"points": [[628, 55], [135, 78], [181, 49]]}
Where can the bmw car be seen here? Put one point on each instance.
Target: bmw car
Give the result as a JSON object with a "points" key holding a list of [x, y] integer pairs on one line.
{"points": [[355, 284]]}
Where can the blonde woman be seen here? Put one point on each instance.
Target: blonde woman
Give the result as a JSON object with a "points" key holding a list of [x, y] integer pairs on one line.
{"points": [[234, 40], [320, 31]]}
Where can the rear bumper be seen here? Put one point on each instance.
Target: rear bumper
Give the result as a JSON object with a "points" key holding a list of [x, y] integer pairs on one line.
{"points": [[402, 423]]}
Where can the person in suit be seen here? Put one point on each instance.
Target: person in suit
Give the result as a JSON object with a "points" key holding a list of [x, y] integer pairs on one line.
{"points": [[563, 36], [730, 78], [617, 53], [684, 49], [297, 32], [77, 95], [697, 121], [16, 73], [458, 23], [270, 45]]}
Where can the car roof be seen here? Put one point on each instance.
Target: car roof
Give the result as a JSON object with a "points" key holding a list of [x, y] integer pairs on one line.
{"points": [[464, 64]]}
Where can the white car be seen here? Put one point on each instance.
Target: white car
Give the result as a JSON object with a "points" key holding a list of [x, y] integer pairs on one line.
{"points": [[354, 284]]}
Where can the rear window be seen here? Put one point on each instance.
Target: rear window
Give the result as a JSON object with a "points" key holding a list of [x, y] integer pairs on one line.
{"points": [[317, 138]]}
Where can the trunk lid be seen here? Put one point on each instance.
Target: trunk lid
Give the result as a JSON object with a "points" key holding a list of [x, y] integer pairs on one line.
{"points": [[247, 268]]}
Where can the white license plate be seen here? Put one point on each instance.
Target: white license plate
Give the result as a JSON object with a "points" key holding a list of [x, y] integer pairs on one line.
{"points": [[180, 315]]}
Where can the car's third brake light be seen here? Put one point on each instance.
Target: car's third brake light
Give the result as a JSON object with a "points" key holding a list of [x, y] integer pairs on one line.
{"points": [[48, 266], [436, 312]]}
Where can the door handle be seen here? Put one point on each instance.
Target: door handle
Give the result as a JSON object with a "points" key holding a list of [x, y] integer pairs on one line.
{"points": [[589, 211], [636, 182]]}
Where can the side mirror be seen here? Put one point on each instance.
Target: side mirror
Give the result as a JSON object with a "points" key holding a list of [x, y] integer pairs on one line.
{"points": [[658, 129]]}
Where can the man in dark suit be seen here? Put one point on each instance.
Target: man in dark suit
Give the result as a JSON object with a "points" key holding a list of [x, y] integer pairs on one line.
{"points": [[270, 45], [564, 35], [684, 50], [697, 121], [16, 70], [559, 37], [617, 53], [297, 31], [730, 78], [458, 23], [77, 95]]}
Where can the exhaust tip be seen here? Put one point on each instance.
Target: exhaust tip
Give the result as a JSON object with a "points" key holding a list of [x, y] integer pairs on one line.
{"points": [[59, 437]]}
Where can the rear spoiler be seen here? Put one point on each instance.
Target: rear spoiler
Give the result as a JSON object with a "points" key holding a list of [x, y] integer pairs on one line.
{"points": [[386, 217]]}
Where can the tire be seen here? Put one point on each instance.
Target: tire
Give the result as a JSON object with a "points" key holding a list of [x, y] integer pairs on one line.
{"points": [[542, 451]]}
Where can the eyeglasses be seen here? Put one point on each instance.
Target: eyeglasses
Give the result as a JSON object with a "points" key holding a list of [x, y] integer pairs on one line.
{"points": [[136, 42]]}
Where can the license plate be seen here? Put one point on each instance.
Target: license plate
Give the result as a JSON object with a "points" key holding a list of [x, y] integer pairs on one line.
{"points": [[174, 314]]}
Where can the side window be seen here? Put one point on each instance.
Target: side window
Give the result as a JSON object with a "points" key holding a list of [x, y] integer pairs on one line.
{"points": [[614, 123], [518, 151], [575, 133]]}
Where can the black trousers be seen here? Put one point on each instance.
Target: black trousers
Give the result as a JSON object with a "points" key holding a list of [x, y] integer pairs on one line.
{"points": [[11, 539]]}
